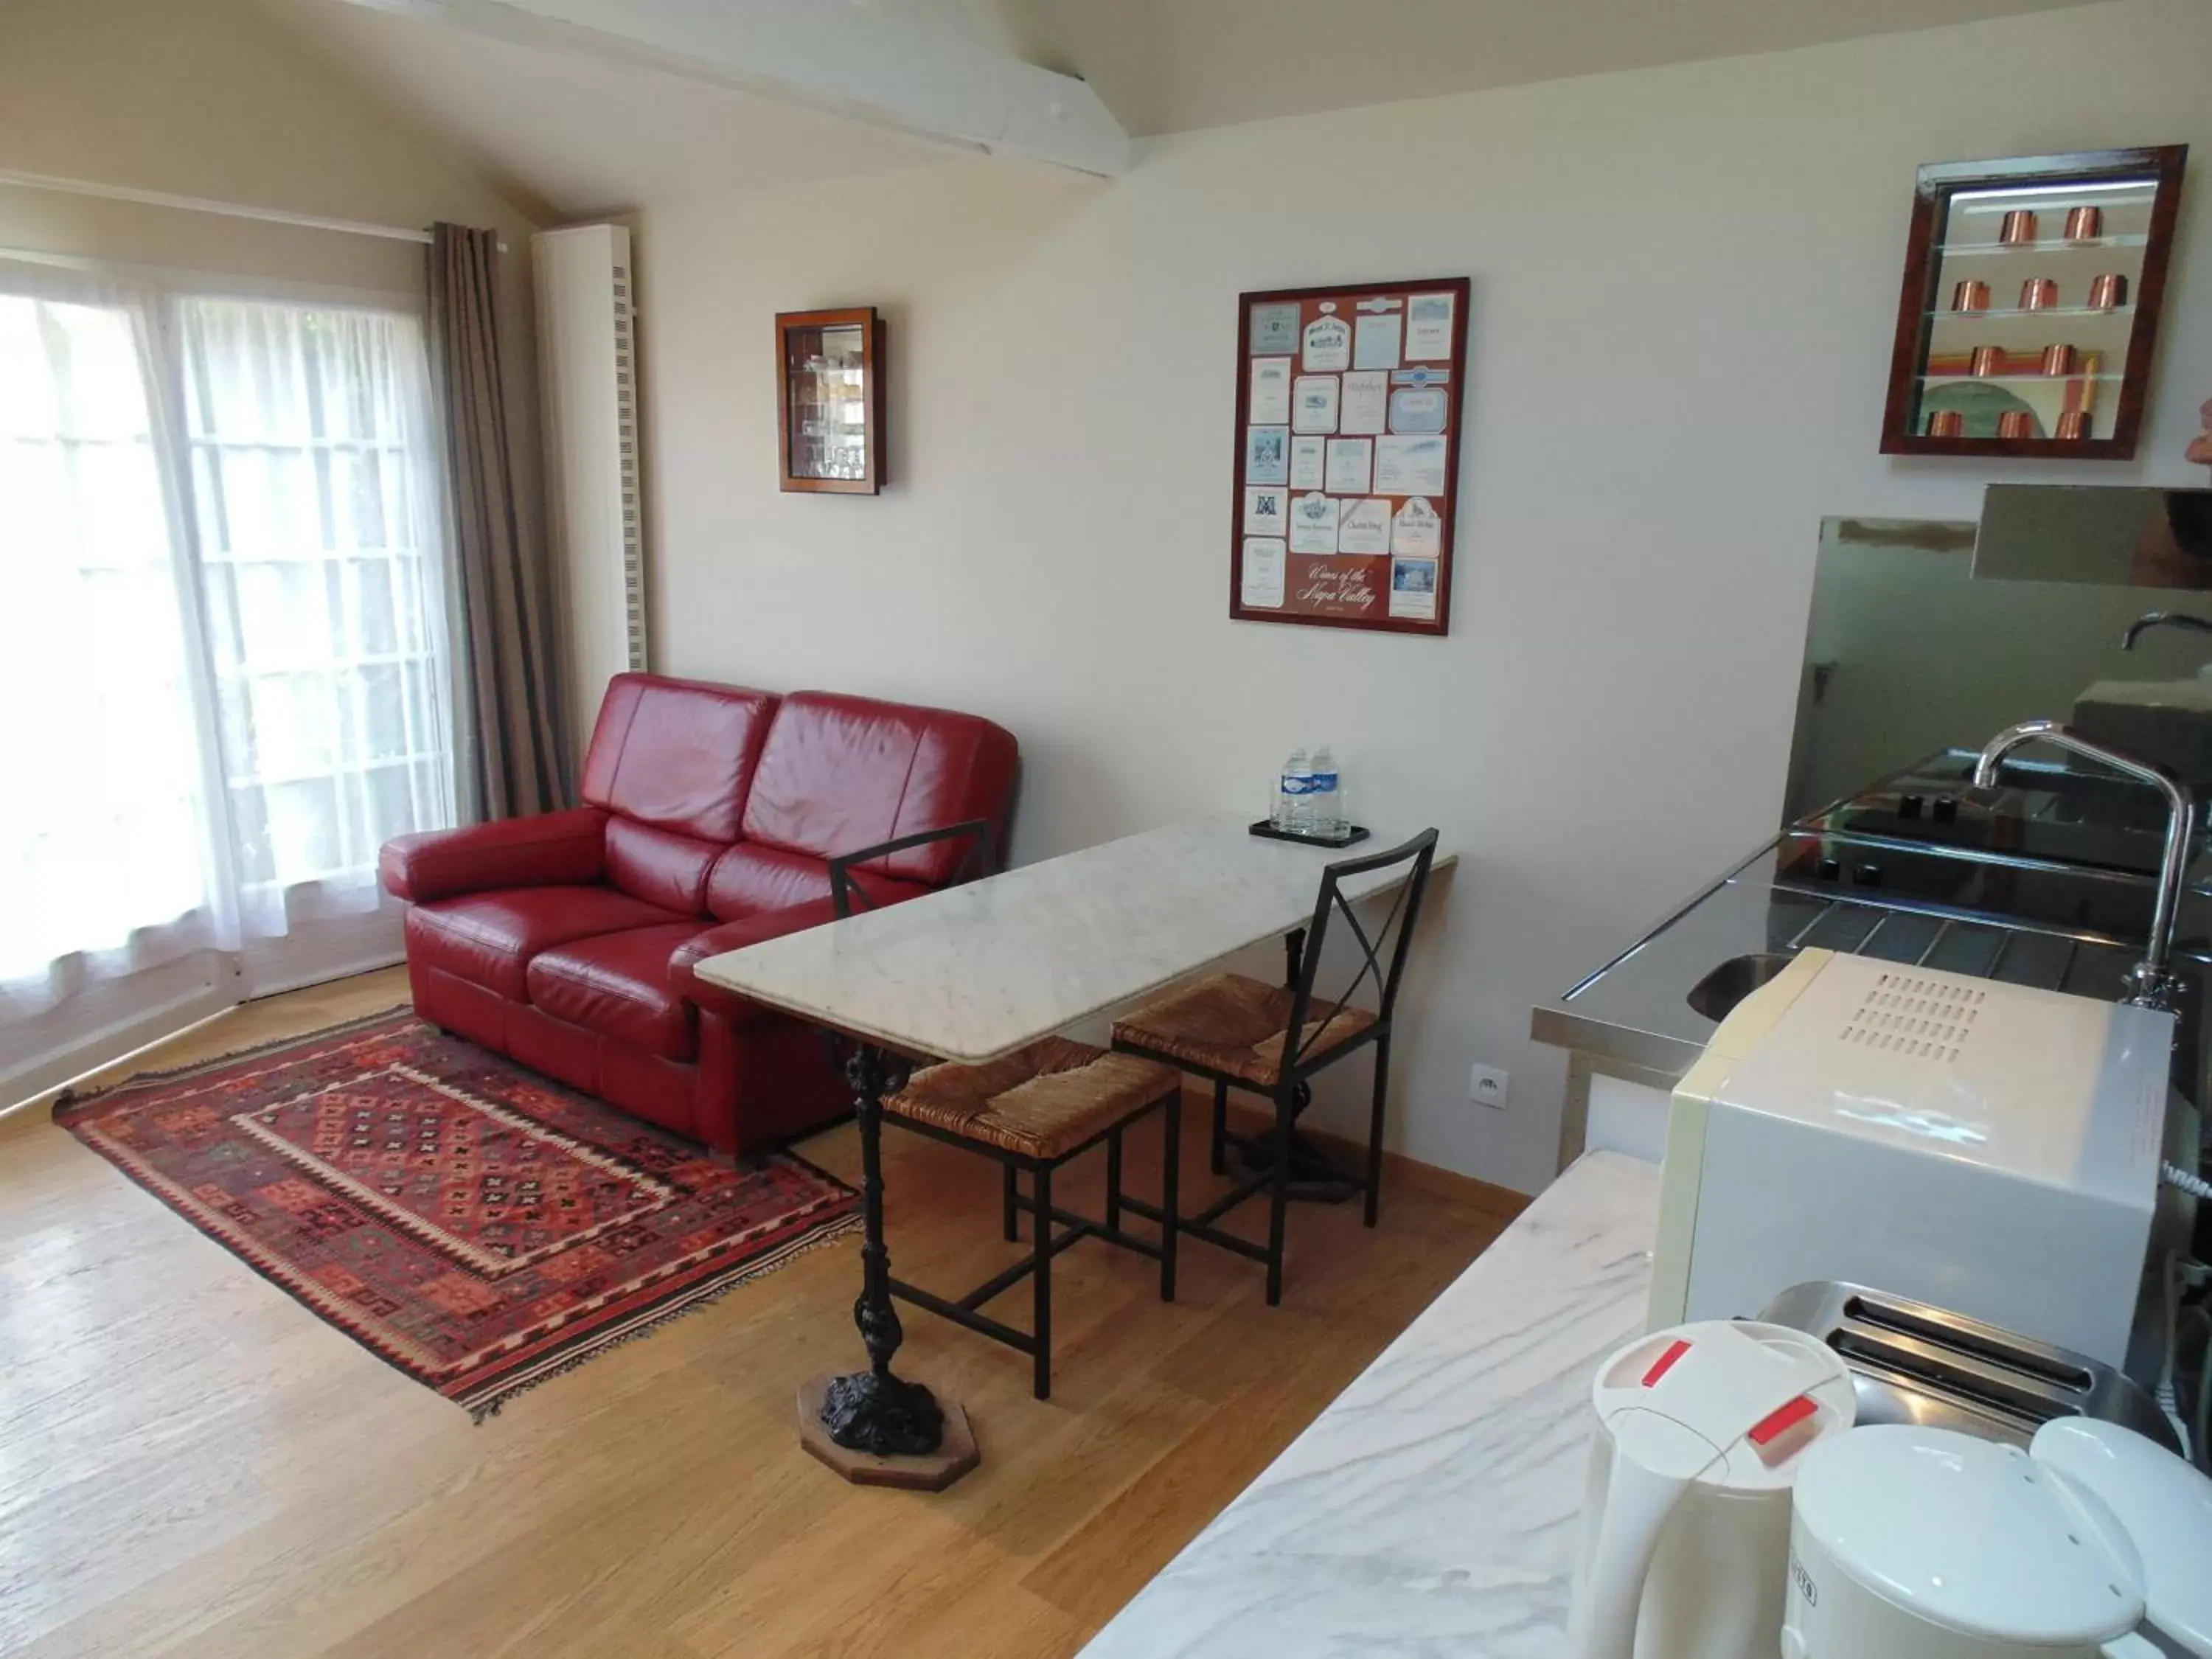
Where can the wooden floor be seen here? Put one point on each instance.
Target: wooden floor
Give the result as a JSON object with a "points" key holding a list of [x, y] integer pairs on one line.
{"points": [[191, 1463]]}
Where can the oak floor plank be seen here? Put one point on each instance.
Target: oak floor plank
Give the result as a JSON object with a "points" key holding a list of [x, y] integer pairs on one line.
{"points": [[193, 1465]]}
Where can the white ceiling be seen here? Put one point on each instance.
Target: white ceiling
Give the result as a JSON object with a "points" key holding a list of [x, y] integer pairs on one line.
{"points": [[568, 136], [1172, 65]]}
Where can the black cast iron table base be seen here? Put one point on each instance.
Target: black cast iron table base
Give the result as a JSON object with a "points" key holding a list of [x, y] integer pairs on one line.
{"points": [[883, 1415], [869, 1424]]}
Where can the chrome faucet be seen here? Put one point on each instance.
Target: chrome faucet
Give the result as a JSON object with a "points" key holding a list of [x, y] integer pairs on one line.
{"points": [[2150, 619], [2150, 983]]}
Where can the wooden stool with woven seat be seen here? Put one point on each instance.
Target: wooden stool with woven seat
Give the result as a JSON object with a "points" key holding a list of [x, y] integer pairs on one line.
{"points": [[1034, 1111], [1240, 1033]]}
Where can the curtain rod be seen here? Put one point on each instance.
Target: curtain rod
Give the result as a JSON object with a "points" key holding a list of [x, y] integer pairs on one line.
{"points": [[208, 204]]}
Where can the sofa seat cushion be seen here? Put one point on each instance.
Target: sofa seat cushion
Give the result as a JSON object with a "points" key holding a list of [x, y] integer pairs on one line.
{"points": [[741, 1012], [618, 985], [489, 938]]}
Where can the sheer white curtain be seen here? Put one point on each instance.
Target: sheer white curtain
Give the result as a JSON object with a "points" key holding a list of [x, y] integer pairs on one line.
{"points": [[316, 532], [106, 838], [224, 671]]}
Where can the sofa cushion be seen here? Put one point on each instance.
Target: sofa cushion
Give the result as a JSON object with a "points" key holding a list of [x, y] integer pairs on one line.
{"points": [[660, 866], [676, 754], [489, 938], [740, 1010], [839, 774], [750, 880], [619, 985]]}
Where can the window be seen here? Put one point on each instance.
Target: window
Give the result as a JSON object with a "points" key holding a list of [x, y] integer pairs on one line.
{"points": [[225, 677], [311, 501], [101, 784]]}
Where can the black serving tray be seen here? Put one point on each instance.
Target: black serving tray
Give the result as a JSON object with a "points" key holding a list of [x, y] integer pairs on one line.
{"points": [[1353, 833]]}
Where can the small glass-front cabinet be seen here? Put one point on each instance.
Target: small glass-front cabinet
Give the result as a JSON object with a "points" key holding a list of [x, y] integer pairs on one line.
{"points": [[829, 391], [2029, 316]]}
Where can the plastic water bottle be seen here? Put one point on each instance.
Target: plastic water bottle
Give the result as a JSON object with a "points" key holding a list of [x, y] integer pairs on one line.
{"points": [[1328, 804], [1294, 794]]}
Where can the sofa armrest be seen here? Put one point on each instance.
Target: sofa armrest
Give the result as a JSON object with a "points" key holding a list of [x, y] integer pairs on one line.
{"points": [[549, 849], [735, 936]]}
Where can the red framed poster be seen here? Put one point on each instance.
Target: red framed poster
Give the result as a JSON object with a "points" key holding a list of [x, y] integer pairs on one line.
{"points": [[1348, 407]]}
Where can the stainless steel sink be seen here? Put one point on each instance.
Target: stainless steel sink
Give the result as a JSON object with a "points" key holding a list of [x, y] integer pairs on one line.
{"points": [[1719, 991]]}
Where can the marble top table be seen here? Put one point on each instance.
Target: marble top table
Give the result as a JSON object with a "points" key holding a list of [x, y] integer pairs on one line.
{"points": [[1432, 1509], [977, 971]]}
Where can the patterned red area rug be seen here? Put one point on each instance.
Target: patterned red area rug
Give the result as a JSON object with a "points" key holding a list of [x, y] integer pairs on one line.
{"points": [[475, 1224]]}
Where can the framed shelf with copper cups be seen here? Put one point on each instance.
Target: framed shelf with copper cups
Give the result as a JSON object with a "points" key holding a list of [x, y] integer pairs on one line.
{"points": [[2029, 315]]}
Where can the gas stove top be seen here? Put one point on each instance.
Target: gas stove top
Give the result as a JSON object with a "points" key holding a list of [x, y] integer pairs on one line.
{"points": [[2037, 810], [2073, 852]]}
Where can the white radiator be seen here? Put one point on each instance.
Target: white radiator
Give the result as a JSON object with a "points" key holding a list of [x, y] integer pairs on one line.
{"points": [[587, 376]]}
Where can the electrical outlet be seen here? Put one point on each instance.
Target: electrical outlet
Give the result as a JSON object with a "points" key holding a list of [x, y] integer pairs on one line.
{"points": [[1487, 1086]]}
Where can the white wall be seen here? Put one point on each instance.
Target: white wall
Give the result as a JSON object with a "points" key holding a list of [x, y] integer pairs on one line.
{"points": [[1685, 286]]}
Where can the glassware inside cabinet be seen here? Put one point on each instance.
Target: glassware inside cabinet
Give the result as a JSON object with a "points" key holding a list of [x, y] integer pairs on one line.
{"points": [[832, 401]]}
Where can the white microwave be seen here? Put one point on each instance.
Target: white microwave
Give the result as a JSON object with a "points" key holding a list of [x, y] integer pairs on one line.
{"points": [[1989, 1148]]}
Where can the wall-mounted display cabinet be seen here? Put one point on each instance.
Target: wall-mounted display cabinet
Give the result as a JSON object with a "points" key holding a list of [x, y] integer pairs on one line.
{"points": [[829, 400], [2029, 315]]}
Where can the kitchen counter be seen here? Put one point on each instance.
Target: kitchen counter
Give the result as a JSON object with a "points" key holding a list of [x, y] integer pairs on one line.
{"points": [[1432, 1508]]}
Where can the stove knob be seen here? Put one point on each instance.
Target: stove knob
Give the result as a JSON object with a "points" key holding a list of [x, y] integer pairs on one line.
{"points": [[1832, 869], [1869, 875], [1908, 806], [1947, 810]]}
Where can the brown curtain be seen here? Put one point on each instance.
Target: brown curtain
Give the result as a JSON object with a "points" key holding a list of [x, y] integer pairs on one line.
{"points": [[517, 754]]}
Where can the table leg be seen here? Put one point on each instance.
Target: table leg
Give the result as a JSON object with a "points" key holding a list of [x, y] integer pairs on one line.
{"points": [[872, 1411]]}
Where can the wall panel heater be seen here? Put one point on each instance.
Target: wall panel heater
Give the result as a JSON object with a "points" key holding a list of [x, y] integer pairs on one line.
{"points": [[587, 376]]}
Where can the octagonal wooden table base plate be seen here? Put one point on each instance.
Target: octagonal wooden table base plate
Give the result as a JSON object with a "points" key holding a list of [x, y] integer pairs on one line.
{"points": [[955, 1455]]}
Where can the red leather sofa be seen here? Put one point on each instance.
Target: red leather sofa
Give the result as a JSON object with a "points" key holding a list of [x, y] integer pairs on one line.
{"points": [[567, 940]]}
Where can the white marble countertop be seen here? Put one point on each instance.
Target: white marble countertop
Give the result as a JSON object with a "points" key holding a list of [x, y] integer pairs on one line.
{"points": [[1431, 1510], [977, 971]]}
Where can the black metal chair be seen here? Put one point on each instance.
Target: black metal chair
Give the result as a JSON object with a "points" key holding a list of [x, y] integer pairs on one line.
{"points": [[1239, 1033], [1033, 1110]]}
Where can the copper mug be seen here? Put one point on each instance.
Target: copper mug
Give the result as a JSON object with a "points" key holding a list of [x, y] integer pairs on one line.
{"points": [[2038, 293], [2074, 425], [2108, 292], [2058, 360], [2015, 423], [2018, 228], [1972, 294], [1947, 423], [2084, 224], [1986, 361]]}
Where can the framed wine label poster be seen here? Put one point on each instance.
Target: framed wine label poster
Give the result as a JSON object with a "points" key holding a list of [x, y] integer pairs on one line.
{"points": [[1348, 403]]}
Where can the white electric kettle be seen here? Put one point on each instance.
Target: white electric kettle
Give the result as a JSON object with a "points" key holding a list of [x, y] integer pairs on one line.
{"points": [[1685, 1522], [1917, 1543]]}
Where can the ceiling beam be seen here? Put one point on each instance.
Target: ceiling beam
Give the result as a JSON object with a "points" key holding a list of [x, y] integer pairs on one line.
{"points": [[839, 57]]}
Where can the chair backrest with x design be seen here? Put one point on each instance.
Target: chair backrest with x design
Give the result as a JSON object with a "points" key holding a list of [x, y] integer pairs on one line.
{"points": [[980, 860], [1381, 955]]}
